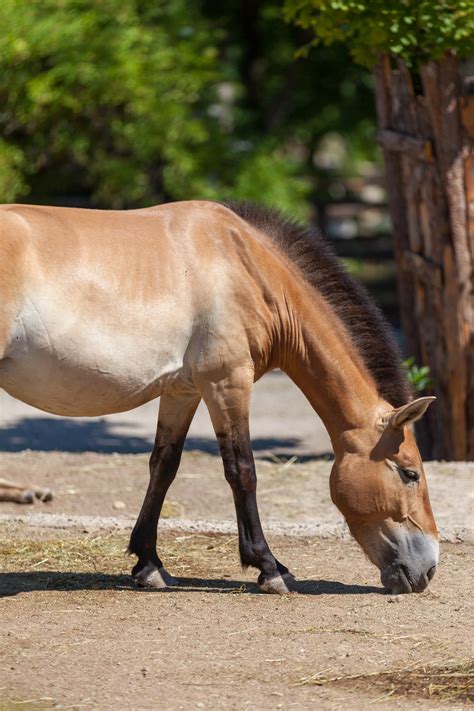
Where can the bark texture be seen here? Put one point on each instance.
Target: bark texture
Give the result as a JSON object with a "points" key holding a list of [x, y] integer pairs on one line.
{"points": [[428, 139]]}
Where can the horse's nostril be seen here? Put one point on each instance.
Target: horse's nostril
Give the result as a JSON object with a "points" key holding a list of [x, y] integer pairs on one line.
{"points": [[431, 572]]}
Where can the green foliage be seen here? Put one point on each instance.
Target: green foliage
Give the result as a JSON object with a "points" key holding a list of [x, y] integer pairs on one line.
{"points": [[418, 376], [104, 88], [416, 30], [270, 174], [132, 102], [12, 183]]}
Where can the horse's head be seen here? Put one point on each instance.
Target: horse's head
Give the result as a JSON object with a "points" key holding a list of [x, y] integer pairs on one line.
{"points": [[379, 485]]}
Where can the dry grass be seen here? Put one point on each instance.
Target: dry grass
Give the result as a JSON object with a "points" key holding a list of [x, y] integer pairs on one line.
{"points": [[453, 682], [66, 561], [185, 554], [172, 509], [88, 554]]}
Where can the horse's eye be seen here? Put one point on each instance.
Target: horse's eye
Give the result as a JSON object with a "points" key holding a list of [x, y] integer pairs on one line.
{"points": [[410, 474]]}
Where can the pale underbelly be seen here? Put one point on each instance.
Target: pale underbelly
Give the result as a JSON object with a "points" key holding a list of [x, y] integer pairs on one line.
{"points": [[79, 389], [75, 363], [87, 376]]}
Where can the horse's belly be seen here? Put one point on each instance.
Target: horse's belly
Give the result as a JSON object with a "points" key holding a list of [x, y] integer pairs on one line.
{"points": [[89, 371], [75, 390]]}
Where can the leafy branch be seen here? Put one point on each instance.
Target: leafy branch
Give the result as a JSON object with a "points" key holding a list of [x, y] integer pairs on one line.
{"points": [[417, 376]]}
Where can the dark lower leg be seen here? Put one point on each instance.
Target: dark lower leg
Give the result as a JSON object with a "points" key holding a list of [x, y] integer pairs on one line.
{"points": [[253, 547], [239, 470], [173, 424], [164, 463], [228, 401]]}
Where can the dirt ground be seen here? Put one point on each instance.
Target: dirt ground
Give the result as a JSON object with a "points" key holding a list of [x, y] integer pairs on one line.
{"points": [[297, 493], [75, 632]]}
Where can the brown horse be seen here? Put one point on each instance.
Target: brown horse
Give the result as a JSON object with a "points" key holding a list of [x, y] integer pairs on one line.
{"points": [[103, 311]]}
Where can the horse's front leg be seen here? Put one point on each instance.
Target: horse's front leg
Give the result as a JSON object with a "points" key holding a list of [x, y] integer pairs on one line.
{"points": [[228, 402], [175, 416]]}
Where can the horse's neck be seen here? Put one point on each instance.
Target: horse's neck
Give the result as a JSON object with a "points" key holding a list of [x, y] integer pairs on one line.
{"points": [[323, 362]]}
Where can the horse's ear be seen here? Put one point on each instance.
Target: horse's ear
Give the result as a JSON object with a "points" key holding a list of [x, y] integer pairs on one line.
{"points": [[413, 411]]}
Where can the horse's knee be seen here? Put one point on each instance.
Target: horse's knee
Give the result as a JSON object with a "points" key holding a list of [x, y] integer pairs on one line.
{"points": [[164, 462]]}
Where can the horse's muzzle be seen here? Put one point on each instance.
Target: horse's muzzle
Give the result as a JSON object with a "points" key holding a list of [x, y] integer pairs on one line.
{"points": [[402, 579]]}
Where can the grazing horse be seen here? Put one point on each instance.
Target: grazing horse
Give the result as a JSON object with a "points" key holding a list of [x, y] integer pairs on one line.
{"points": [[102, 311]]}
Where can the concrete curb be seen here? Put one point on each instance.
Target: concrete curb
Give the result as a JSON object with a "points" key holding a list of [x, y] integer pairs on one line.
{"points": [[335, 531]]}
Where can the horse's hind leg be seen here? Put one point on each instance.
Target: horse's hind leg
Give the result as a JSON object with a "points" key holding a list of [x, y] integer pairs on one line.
{"points": [[176, 414], [228, 402]]}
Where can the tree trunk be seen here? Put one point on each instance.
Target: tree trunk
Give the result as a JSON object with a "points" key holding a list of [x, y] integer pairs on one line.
{"points": [[428, 141]]}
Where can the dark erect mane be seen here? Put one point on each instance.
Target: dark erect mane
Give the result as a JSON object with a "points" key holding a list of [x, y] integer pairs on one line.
{"points": [[370, 332]]}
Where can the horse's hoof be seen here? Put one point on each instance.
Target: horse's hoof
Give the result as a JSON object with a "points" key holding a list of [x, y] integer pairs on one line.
{"points": [[279, 585], [44, 495], [152, 577]]}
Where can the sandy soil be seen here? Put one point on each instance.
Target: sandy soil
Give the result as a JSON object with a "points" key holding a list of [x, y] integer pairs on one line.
{"points": [[95, 484], [76, 634]]}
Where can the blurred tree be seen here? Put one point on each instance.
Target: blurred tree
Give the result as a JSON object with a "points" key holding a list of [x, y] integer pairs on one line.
{"points": [[289, 103], [425, 110], [104, 97], [132, 102]]}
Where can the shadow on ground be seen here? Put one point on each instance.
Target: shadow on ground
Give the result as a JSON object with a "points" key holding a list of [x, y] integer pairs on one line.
{"points": [[49, 435], [24, 582], [52, 434]]}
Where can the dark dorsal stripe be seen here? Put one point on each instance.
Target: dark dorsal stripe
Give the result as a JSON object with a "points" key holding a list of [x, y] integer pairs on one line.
{"points": [[368, 328]]}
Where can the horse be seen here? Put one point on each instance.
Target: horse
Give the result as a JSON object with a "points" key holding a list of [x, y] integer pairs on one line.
{"points": [[102, 311]]}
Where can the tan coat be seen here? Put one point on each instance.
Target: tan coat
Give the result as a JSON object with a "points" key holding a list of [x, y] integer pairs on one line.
{"points": [[101, 311]]}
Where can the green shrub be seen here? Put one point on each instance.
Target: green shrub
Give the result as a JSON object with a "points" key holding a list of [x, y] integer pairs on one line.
{"points": [[417, 376]]}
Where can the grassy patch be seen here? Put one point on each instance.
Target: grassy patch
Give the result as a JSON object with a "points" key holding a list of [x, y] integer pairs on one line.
{"points": [[185, 554], [451, 682], [88, 554]]}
